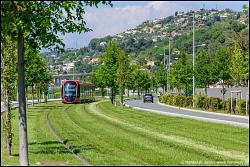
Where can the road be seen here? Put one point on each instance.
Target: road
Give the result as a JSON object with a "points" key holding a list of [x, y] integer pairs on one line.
{"points": [[235, 120], [16, 104]]}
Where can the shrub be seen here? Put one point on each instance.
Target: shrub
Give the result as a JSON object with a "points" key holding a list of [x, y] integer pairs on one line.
{"points": [[225, 105], [241, 107], [215, 103], [189, 101], [180, 100], [206, 103], [199, 100], [163, 98], [173, 99]]}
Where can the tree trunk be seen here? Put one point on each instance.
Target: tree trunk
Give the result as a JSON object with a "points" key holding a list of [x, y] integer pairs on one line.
{"points": [[26, 97], [102, 90], [7, 122], [122, 89], [138, 93], [32, 87], [38, 95], [112, 97], [206, 89], [23, 139], [223, 92], [8, 125]]}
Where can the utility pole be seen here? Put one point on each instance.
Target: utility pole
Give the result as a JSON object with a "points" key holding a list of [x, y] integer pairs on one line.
{"points": [[165, 67], [164, 62], [193, 62]]}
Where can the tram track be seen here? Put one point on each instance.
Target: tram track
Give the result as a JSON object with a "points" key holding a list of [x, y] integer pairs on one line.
{"points": [[99, 138], [83, 160]]}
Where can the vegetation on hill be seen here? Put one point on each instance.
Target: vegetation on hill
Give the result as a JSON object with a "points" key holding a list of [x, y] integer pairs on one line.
{"points": [[148, 41]]}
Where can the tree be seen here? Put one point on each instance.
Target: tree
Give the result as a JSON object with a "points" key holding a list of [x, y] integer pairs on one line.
{"points": [[32, 68], [8, 78], [203, 71], [239, 65], [221, 66], [141, 80], [245, 9], [99, 78], [161, 77], [42, 77], [181, 74], [110, 66], [129, 83], [122, 74], [39, 23]]}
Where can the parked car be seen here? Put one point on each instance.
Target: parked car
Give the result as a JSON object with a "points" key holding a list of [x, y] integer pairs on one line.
{"points": [[148, 97]]}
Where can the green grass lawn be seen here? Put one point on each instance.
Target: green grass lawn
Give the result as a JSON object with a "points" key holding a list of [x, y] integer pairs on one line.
{"points": [[108, 135]]}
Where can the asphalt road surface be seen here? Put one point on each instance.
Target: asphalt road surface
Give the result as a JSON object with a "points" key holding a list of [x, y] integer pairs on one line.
{"points": [[242, 121]]}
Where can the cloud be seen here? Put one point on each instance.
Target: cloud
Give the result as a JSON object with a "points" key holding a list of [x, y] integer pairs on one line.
{"points": [[110, 21]]}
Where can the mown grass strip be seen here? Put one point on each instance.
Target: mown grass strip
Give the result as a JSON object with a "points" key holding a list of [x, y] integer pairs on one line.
{"points": [[65, 145], [219, 135], [44, 149], [99, 138], [180, 140], [99, 142]]}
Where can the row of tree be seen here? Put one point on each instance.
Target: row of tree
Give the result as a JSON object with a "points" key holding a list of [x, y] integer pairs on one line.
{"points": [[115, 72], [36, 74]]}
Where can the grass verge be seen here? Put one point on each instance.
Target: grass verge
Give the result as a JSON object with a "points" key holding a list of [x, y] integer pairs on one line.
{"points": [[108, 135]]}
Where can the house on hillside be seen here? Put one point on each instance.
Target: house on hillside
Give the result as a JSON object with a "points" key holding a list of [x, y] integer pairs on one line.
{"points": [[94, 61], [68, 66], [157, 21], [103, 43]]}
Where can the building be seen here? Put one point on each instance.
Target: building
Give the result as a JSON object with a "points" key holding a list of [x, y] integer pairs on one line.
{"points": [[68, 66]]}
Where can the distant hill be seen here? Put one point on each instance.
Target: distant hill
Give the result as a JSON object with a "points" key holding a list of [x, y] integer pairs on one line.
{"points": [[146, 42]]}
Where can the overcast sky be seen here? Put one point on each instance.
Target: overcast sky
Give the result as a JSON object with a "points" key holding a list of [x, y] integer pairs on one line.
{"points": [[106, 20]]}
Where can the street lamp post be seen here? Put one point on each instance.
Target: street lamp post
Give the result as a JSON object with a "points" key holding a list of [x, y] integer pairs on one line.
{"points": [[193, 63], [194, 60], [165, 67], [74, 69], [169, 59]]}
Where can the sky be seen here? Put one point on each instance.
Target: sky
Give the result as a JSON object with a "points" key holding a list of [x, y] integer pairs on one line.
{"points": [[106, 20]]}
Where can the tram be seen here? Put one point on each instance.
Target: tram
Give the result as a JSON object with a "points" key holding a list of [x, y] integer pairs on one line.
{"points": [[73, 91]]}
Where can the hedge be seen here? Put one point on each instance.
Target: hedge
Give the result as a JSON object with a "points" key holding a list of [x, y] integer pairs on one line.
{"points": [[206, 103]]}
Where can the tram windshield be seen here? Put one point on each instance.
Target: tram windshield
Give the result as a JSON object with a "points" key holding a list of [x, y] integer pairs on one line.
{"points": [[70, 89]]}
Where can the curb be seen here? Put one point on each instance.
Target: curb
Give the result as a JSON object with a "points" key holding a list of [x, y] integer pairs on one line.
{"points": [[203, 111]]}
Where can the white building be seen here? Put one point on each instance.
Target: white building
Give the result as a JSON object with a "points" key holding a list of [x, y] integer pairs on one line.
{"points": [[68, 66]]}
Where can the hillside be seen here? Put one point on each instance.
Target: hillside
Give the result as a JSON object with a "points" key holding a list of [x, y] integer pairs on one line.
{"points": [[146, 42]]}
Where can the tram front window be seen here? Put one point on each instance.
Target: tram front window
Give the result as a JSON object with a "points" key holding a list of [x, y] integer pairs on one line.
{"points": [[70, 89]]}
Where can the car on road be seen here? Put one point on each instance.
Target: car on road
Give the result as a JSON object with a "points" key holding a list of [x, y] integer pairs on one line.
{"points": [[148, 97]]}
